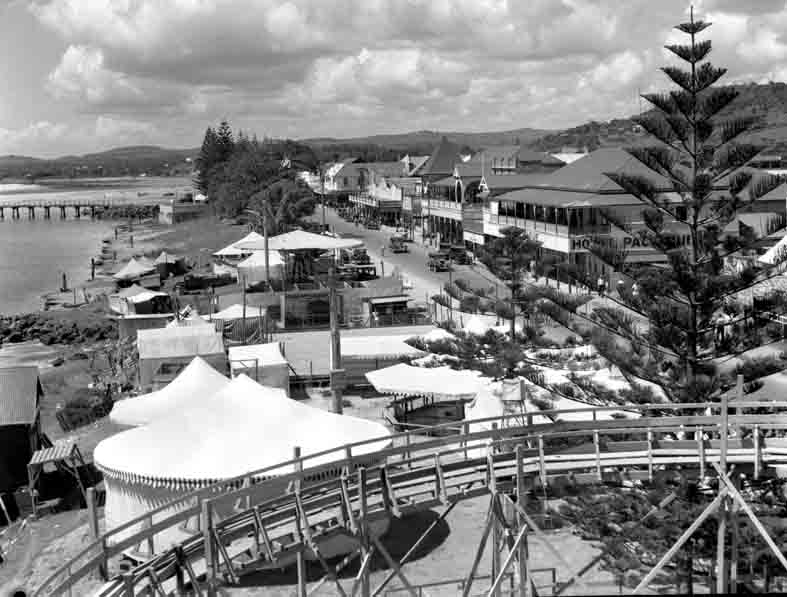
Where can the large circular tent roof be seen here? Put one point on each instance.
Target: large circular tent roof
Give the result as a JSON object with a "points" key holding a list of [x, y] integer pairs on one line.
{"points": [[196, 382], [254, 427]]}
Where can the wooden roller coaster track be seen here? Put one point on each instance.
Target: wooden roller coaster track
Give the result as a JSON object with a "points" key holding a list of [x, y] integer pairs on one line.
{"points": [[508, 459]]}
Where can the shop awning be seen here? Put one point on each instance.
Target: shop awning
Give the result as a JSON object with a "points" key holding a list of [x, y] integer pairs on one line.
{"points": [[387, 300]]}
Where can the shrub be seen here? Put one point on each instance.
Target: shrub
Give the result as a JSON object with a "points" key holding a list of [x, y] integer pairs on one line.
{"points": [[755, 368], [442, 300], [541, 403], [470, 304], [463, 285], [453, 291], [504, 310]]}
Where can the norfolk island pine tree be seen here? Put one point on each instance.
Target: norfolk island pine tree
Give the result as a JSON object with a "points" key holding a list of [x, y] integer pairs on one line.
{"points": [[699, 161]]}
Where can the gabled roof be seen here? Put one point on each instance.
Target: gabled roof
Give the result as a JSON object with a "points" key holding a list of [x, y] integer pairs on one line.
{"points": [[385, 168], [442, 160], [501, 152], [416, 163], [20, 389], [512, 181], [588, 174], [234, 249]]}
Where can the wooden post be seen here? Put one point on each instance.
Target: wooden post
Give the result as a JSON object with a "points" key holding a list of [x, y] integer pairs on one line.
{"points": [[542, 468], [337, 377], [211, 573], [497, 533], [465, 432], [524, 579], [364, 530], [701, 450], [597, 446], [300, 557], [721, 568], [650, 455], [92, 511], [757, 452]]}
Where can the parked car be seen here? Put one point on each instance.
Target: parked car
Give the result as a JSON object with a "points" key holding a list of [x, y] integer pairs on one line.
{"points": [[360, 257], [372, 225], [458, 254], [438, 262], [398, 245]]}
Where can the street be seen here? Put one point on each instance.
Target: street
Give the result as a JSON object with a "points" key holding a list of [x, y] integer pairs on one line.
{"points": [[412, 265]]}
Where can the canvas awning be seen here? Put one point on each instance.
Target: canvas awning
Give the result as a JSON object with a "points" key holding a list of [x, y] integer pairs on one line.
{"points": [[134, 269], [235, 312], [243, 357], [256, 427], [145, 296], [300, 240], [197, 382], [387, 300], [378, 347], [438, 382], [234, 249]]}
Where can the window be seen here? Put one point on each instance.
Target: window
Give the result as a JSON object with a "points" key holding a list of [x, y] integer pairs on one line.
{"points": [[346, 181], [681, 212], [530, 212], [520, 210]]}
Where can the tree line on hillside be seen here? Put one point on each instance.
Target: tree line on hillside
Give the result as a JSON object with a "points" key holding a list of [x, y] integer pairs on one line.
{"points": [[244, 176]]}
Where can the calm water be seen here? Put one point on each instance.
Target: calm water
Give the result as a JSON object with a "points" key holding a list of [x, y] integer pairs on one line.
{"points": [[35, 253]]}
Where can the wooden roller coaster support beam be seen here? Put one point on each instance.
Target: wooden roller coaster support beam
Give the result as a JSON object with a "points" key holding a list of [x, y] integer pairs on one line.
{"points": [[522, 555], [721, 568], [650, 455], [490, 519], [597, 447], [709, 510], [211, 572], [730, 487], [701, 450], [757, 451], [494, 591], [300, 560], [363, 531]]}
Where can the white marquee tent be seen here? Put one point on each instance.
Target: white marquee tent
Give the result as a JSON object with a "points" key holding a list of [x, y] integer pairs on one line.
{"points": [[300, 240], [134, 269], [256, 428], [262, 362], [252, 269], [235, 251], [196, 382]]}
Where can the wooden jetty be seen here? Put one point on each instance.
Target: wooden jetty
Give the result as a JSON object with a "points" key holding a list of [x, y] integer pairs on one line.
{"points": [[15, 208]]}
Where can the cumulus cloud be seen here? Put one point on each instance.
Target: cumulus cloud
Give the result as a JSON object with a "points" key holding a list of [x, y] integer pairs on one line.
{"points": [[349, 67]]}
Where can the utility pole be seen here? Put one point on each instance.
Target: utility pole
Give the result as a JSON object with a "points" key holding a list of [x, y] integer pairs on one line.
{"points": [[337, 373], [322, 183]]}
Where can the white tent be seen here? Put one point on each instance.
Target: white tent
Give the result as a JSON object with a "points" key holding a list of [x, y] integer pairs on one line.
{"points": [[438, 382], [254, 428], [252, 269], [196, 382], [145, 296], [235, 312], [378, 347], [300, 240], [262, 362], [234, 250], [134, 269]]}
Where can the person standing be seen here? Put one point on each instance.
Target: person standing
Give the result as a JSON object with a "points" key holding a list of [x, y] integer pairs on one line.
{"points": [[600, 284]]}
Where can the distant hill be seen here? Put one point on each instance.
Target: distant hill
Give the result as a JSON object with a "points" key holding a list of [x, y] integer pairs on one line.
{"points": [[134, 160], [765, 102], [423, 142]]}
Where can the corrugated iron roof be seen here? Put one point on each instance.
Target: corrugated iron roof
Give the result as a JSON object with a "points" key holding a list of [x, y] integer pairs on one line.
{"points": [[442, 160], [20, 389], [59, 451]]}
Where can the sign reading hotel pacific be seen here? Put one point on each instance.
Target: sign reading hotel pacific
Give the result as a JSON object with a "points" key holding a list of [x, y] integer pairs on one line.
{"points": [[585, 243]]}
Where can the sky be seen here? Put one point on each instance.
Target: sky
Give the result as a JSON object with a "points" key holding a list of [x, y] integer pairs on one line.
{"points": [[87, 75]]}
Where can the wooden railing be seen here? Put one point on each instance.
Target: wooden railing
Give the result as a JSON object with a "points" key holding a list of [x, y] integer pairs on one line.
{"points": [[433, 471]]}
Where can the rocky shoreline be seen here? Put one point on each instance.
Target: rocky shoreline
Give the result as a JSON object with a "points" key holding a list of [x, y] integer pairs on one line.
{"points": [[48, 330]]}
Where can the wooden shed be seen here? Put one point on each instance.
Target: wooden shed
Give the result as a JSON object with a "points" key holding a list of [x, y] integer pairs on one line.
{"points": [[20, 423], [164, 353]]}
